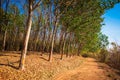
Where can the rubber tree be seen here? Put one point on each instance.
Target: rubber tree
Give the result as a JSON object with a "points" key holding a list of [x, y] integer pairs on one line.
{"points": [[31, 8]]}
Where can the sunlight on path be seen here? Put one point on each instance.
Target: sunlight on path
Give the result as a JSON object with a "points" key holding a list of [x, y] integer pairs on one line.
{"points": [[90, 70]]}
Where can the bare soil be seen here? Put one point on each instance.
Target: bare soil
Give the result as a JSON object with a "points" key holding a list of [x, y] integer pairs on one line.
{"points": [[90, 70], [39, 68]]}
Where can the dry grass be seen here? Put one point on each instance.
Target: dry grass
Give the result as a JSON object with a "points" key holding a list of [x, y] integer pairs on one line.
{"points": [[37, 67]]}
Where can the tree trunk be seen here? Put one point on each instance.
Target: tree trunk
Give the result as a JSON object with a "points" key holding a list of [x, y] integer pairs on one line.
{"points": [[63, 47], [69, 45], [48, 46], [52, 42], [79, 48], [4, 40], [67, 49], [24, 50], [60, 42], [36, 36], [43, 40]]}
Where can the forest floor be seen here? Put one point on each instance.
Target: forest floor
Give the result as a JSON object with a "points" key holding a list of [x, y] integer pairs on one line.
{"points": [[90, 70], [38, 68]]}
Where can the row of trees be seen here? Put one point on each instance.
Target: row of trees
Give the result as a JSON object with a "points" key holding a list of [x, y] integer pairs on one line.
{"points": [[63, 26]]}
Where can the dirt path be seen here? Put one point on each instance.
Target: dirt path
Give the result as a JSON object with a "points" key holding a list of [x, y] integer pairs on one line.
{"points": [[89, 70]]}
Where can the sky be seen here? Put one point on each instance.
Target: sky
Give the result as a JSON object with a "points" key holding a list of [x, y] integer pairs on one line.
{"points": [[112, 24]]}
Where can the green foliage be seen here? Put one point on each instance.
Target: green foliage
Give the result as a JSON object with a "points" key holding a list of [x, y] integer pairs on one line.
{"points": [[103, 55], [103, 40], [84, 21]]}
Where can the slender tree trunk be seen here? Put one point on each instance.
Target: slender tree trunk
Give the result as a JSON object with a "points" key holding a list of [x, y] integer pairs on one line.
{"points": [[69, 45], [56, 42], [4, 40], [36, 36], [63, 47], [72, 45], [67, 49], [24, 50], [55, 24], [49, 30], [79, 48], [49, 41], [60, 42], [36, 42], [52, 42], [43, 40]]}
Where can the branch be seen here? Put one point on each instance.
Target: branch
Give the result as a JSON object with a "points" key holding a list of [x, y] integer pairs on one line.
{"points": [[66, 7], [36, 5]]}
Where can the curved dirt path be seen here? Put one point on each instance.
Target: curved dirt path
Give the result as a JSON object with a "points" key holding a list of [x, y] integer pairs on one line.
{"points": [[89, 70]]}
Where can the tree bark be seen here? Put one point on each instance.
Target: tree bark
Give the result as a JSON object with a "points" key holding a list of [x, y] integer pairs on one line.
{"points": [[63, 46], [36, 36], [52, 42], [79, 48], [4, 40], [69, 45], [24, 50], [43, 40], [61, 42]]}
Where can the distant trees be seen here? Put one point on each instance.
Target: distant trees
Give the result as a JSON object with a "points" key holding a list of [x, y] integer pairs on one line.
{"points": [[61, 26], [5, 23], [114, 57], [11, 25], [103, 40]]}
